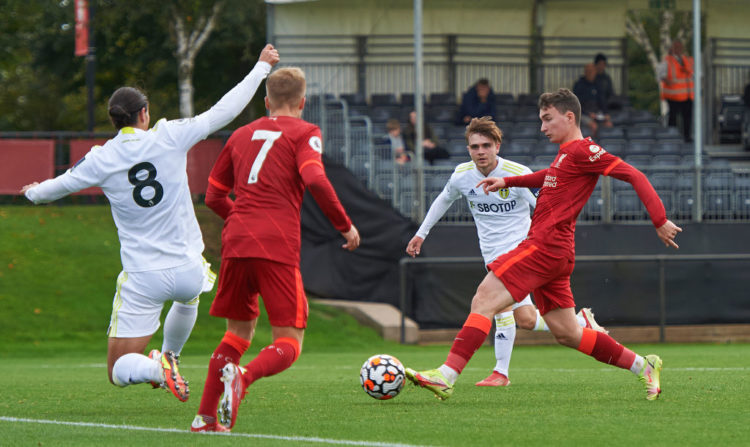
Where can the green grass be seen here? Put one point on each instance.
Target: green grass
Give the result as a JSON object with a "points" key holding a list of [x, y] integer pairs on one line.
{"points": [[57, 272], [558, 397]]}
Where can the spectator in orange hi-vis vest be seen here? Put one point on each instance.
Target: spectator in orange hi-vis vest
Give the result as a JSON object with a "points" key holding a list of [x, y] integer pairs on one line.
{"points": [[676, 74]]}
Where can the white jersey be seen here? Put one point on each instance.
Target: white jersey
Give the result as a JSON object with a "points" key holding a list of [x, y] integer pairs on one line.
{"points": [[502, 218], [143, 174]]}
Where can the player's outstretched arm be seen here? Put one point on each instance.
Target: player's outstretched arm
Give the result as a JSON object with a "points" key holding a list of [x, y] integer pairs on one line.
{"points": [[235, 101], [491, 184], [414, 246], [667, 233], [352, 238]]}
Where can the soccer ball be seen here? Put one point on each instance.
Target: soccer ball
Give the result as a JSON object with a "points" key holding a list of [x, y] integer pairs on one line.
{"points": [[382, 376]]}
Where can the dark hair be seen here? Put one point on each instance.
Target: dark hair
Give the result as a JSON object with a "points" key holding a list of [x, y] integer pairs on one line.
{"points": [[483, 81], [124, 105], [563, 100], [486, 127], [600, 57]]}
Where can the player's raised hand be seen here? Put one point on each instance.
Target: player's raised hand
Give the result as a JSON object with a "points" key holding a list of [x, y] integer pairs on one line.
{"points": [[491, 184], [269, 54], [414, 246], [352, 238], [28, 187], [667, 233]]}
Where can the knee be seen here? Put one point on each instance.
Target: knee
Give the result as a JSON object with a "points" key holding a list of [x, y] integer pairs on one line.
{"points": [[524, 322], [567, 339]]}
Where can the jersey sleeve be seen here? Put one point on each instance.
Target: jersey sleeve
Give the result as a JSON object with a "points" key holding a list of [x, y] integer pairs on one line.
{"points": [[593, 159], [82, 175], [439, 206], [641, 185]]}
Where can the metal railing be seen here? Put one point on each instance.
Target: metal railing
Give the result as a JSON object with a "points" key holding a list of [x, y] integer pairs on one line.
{"points": [[661, 261]]}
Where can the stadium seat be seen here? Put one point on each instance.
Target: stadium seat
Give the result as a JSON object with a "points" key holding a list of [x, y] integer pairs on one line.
{"points": [[717, 205], [522, 147], [685, 196], [527, 115], [667, 148], [730, 118], [640, 147], [640, 133], [407, 100], [354, 99], [666, 160], [610, 132], [614, 146], [456, 146], [384, 184], [442, 113], [594, 207], [383, 99], [541, 162], [547, 148], [442, 99], [525, 160], [620, 117], [642, 116], [528, 99], [525, 132], [382, 114], [639, 161], [742, 196], [627, 206], [504, 99], [668, 133]]}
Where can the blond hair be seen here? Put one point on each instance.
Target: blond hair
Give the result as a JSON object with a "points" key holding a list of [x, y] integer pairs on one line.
{"points": [[286, 86], [486, 127]]}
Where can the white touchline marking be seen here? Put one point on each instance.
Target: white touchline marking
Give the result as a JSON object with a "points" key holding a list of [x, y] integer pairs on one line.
{"points": [[239, 435]]}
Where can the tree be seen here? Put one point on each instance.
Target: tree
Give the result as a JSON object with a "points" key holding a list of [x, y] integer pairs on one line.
{"points": [[191, 27], [647, 27]]}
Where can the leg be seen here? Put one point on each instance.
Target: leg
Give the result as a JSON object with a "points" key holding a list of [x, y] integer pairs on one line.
{"points": [[178, 325], [135, 368], [276, 357], [505, 336], [687, 120], [602, 347], [491, 297], [672, 115]]}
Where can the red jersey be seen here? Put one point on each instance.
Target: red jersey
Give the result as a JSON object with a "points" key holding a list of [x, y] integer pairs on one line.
{"points": [[268, 163], [566, 187]]}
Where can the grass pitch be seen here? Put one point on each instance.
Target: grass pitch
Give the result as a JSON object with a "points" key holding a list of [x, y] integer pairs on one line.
{"points": [[57, 273], [557, 397]]}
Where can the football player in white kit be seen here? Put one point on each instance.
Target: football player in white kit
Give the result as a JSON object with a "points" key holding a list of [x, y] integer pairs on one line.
{"points": [[502, 220], [142, 172]]}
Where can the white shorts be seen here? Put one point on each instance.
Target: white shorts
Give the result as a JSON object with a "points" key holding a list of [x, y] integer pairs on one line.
{"points": [[524, 302], [140, 296]]}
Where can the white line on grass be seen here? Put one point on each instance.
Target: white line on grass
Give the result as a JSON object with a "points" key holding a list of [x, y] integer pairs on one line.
{"points": [[238, 435]]}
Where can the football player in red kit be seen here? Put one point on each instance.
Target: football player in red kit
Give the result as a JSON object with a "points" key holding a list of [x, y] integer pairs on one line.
{"points": [[268, 163], [543, 262]]}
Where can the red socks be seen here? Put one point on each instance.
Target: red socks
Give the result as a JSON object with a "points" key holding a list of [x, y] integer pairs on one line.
{"points": [[230, 349], [468, 340], [605, 349], [272, 359]]}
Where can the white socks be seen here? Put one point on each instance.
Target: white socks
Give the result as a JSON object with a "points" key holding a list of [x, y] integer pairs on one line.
{"points": [[178, 325], [637, 365], [505, 336], [136, 368], [540, 324], [450, 374]]}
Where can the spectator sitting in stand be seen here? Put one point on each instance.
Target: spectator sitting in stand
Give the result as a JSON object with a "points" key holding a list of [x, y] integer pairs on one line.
{"points": [[394, 141], [477, 102], [604, 83], [592, 108], [430, 147]]}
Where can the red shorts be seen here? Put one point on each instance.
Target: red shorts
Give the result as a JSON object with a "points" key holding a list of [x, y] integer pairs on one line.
{"points": [[241, 280], [527, 268]]}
